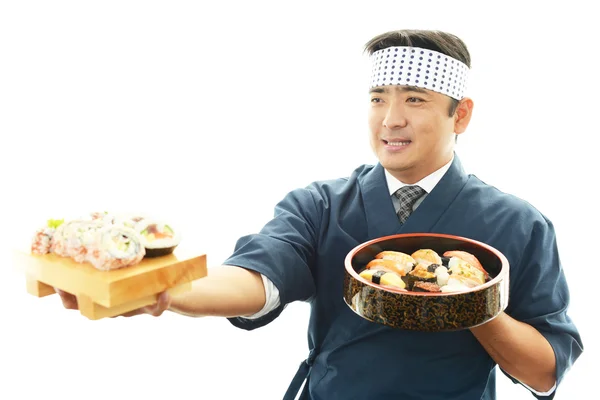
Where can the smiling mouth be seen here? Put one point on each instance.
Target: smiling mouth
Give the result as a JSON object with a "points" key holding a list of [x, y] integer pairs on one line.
{"points": [[397, 143]]}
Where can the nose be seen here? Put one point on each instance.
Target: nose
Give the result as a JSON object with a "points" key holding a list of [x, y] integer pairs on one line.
{"points": [[394, 118]]}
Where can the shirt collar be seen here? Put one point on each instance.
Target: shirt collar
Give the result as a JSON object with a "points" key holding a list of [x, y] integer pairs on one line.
{"points": [[427, 183]]}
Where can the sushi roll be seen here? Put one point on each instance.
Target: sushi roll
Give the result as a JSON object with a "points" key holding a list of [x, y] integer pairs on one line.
{"points": [[62, 236], [81, 238], [115, 247], [158, 238], [41, 241], [43, 238]]}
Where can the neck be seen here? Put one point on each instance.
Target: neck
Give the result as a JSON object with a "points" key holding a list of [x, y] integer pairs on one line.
{"points": [[415, 174]]}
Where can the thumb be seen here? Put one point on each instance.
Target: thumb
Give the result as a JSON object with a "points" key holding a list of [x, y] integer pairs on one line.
{"points": [[162, 304]]}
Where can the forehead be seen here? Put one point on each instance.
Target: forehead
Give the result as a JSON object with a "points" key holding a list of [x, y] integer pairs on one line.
{"points": [[400, 89]]}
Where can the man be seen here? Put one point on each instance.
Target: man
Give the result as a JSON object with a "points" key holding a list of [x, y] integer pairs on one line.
{"points": [[418, 108]]}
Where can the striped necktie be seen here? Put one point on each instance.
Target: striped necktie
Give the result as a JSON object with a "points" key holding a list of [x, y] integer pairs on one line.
{"points": [[407, 195]]}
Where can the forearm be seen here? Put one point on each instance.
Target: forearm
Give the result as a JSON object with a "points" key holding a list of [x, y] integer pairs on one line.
{"points": [[226, 291], [520, 350]]}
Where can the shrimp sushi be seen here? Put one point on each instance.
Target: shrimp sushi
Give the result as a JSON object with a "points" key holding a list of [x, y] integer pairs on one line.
{"points": [[380, 264], [406, 262]]}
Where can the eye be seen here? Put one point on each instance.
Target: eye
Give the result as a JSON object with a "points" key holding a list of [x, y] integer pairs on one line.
{"points": [[376, 100], [414, 100]]}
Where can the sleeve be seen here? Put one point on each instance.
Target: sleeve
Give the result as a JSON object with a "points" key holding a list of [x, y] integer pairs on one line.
{"points": [[539, 296], [283, 251], [271, 296]]}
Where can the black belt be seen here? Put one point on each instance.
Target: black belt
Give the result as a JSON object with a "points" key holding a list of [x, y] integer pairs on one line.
{"points": [[301, 376]]}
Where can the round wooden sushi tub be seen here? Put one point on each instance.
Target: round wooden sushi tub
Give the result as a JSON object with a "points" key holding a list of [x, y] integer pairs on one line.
{"points": [[426, 311]]}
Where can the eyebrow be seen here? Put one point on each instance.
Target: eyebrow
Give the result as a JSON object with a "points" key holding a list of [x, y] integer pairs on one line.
{"points": [[380, 89]]}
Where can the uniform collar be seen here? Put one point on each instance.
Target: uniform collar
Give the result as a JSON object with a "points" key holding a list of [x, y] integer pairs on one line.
{"points": [[427, 183], [379, 208]]}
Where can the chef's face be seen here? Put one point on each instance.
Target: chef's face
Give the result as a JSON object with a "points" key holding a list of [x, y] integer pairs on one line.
{"points": [[412, 132]]}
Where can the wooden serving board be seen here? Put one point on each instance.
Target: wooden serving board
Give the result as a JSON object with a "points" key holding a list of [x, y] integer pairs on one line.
{"points": [[102, 294]]}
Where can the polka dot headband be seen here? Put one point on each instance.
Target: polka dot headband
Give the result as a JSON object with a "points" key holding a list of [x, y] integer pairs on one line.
{"points": [[413, 66]]}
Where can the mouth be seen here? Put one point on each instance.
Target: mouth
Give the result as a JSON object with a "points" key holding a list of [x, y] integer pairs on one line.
{"points": [[396, 144]]}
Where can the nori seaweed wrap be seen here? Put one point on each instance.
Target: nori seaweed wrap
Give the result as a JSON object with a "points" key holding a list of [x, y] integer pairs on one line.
{"points": [[419, 275]]}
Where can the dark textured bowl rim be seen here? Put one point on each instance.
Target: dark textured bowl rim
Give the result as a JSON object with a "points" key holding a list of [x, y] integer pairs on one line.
{"points": [[501, 275]]}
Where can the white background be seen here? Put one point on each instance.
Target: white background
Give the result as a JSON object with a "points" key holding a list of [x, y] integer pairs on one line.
{"points": [[209, 114]]}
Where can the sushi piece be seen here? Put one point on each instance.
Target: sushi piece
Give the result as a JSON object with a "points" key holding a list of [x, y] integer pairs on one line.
{"points": [[387, 265], [430, 287], [42, 239], [62, 235], [381, 277], [459, 283], [158, 238], [115, 247], [458, 266], [81, 238], [403, 259], [468, 257], [426, 257], [419, 275]]}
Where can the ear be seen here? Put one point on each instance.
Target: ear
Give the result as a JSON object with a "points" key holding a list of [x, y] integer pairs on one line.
{"points": [[462, 116]]}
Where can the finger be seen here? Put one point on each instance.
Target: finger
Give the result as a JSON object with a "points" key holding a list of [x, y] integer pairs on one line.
{"points": [[162, 304], [131, 313], [164, 301], [68, 300]]}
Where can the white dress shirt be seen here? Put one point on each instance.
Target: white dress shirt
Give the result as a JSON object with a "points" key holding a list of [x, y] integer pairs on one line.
{"points": [[427, 184]]}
